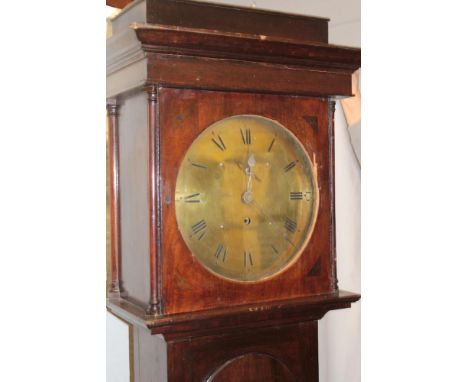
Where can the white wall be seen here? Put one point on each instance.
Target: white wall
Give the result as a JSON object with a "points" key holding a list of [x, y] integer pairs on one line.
{"points": [[117, 350], [340, 331]]}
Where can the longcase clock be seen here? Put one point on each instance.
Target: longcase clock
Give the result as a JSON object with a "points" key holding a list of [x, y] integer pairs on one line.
{"points": [[222, 189]]}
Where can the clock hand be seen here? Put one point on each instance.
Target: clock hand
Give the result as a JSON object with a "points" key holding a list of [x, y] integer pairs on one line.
{"points": [[254, 202], [270, 222], [251, 163], [247, 196], [239, 165]]}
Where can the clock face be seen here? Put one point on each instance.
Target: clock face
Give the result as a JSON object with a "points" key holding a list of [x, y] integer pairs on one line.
{"points": [[246, 198]]}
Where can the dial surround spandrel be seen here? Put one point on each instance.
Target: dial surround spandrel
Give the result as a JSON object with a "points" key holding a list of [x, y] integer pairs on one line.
{"points": [[246, 198]]}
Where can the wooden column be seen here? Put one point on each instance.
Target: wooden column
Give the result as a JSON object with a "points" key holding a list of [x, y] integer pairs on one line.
{"points": [[331, 135], [113, 131], [154, 200]]}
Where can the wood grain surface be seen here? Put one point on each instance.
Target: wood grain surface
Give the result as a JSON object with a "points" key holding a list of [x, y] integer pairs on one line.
{"points": [[114, 195], [236, 19], [275, 353], [187, 285], [202, 63]]}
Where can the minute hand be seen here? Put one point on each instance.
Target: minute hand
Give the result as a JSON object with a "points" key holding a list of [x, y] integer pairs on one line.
{"points": [[270, 222]]}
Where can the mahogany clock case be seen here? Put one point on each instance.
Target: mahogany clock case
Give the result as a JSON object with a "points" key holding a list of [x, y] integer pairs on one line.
{"points": [[181, 283], [176, 67], [169, 78]]}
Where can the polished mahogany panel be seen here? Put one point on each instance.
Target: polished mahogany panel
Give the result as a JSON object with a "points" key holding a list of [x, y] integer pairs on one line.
{"points": [[273, 354], [187, 285]]}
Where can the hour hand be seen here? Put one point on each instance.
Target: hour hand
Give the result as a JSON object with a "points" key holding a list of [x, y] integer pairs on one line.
{"points": [[243, 169]]}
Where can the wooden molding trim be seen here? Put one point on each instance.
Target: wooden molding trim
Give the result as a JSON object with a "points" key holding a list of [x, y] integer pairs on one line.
{"points": [[234, 318], [248, 47], [123, 49], [118, 3]]}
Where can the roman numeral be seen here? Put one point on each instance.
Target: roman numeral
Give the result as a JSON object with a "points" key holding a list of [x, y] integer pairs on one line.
{"points": [[217, 140], [271, 144], [246, 136], [221, 250], [199, 229], [194, 198], [247, 259], [197, 165], [274, 249], [290, 225], [295, 195], [290, 166]]}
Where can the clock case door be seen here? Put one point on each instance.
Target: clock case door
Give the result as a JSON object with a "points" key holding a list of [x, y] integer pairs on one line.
{"points": [[183, 284]]}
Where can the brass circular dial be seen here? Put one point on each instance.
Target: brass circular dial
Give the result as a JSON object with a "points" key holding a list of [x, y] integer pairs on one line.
{"points": [[246, 198]]}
